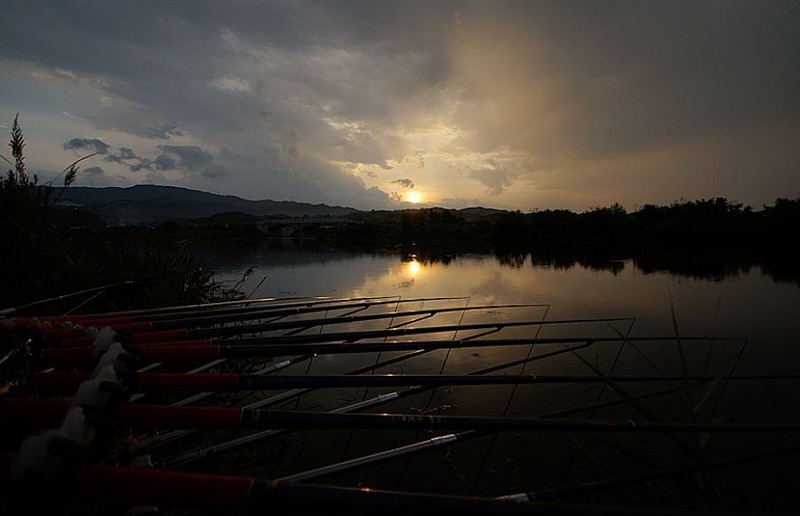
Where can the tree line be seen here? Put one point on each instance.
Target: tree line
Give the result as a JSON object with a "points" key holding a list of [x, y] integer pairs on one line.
{"points": [[702, 226]]}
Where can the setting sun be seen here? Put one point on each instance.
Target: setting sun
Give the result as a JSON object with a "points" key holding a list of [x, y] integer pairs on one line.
{"points": [[414, 197]]}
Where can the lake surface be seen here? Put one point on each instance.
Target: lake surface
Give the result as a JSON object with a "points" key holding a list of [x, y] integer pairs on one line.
{"points": [[760, 315]]}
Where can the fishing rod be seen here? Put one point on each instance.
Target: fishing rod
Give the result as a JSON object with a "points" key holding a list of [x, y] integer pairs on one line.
{"points": [[156, 439], [188, 457], [179, 334], [68, 382], [203, 306], [167, 322], [203, 395], [49, 412], [383, 398], [159, 439], [143, 313], [194, 455], [382, 456], [63, 354], [216, 313], [5, 312], [353, 336], [108, 484], [213, 363], [204, 350], [197, 454], [383, 333], [191, 456], [128, 337], [443, 440]]}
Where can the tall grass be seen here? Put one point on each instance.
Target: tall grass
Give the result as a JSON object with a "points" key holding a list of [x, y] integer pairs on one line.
{"points": [[41, 256]]}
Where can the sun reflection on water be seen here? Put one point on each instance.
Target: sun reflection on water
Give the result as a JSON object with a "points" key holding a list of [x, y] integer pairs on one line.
{"points": [[413, 267]]}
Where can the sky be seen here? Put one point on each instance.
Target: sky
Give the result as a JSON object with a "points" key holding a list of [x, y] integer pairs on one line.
{"points": [[520, 105]]}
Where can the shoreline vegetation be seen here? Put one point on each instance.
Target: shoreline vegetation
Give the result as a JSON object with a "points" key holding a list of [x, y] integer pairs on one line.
{"points": [[49, 249], [44, 257]]}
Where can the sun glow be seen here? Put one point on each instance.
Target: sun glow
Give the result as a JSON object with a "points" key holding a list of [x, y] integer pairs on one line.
{"points": [[414, 197], [413, 267]]}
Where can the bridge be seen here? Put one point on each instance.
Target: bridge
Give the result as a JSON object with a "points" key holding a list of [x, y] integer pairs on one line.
{"points": [[292, 225]]}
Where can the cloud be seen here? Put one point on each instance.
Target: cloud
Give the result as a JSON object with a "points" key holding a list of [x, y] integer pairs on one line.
{"points": [[94, 171], [126, 153], [123, 154], [163, 131], [189, 156], [165, 162], [87, 144], [291, 147], [141, 164], [404, 182], [595, 82], [302, 94]]}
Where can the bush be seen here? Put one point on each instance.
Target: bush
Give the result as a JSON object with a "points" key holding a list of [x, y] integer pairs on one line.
{"points": [[40, 258]]}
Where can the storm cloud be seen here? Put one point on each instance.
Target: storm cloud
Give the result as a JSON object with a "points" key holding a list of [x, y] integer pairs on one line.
{"points": [[87, 144], [508, 104]]}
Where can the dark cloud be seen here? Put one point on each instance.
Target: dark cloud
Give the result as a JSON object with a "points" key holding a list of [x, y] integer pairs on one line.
{"points": [[165, 162], [404, 182], [87, 144], [172, 157], [189, 156], [126, 153], [142, 164], [550, 90], [626, 76], [123, 154]]}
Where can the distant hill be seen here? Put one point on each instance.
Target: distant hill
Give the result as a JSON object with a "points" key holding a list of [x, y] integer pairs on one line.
{"points": [[153, 204], [478, 212]]}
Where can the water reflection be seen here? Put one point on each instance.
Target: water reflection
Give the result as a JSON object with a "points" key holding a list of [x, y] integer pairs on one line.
{"points": [[663, 296], [705, 295], [412, 264], [709, 266], [714, 267], [413, 267]]}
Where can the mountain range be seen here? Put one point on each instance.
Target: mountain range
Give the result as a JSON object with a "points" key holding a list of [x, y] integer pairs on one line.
{"points": [[155, 204]]}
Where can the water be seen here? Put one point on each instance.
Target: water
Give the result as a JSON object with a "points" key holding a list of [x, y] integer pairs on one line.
{"points": [[749, 306]]}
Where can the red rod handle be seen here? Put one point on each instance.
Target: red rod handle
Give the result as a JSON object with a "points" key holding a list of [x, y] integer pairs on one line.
{"points": [[142, 486], [54, 336], [147, 337], [183, 351], [51, 412], [68, 382]]}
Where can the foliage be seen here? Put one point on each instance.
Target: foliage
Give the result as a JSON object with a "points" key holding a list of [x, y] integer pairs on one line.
{"points": [[42, 257]]}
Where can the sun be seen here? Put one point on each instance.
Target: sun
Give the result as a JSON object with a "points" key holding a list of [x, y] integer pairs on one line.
{"points": [[414, 197]]}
